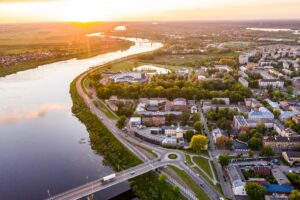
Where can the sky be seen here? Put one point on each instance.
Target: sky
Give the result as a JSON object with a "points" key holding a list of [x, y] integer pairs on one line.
{"points": [[15, 11]]}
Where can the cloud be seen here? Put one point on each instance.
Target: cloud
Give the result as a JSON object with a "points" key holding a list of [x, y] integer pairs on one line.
{"points": [[17, 115]]}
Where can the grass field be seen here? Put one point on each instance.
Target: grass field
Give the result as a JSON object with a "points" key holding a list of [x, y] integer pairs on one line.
{"points": [[201, 195], [203, 164]]}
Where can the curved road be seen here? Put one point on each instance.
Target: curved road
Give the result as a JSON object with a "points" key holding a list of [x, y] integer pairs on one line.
{"points": [[127, 141]]}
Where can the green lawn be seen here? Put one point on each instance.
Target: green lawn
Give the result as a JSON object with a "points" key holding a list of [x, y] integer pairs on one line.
{"points": [[188, 159], [203, 164], [201, 195], [105, 110]]}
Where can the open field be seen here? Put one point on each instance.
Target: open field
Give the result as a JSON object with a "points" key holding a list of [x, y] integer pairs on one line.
{"points": [[27, 46]]}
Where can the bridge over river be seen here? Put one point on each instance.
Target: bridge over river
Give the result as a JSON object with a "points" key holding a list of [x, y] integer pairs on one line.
{"points": [[98, 185]]}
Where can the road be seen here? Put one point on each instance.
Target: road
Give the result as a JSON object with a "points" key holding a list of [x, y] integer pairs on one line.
{"points": [[97, 185], [213, 152]]}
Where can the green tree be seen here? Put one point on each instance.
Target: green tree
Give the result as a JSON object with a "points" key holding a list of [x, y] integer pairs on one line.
{"points": [[223, 160], [162, 177], [255, 191], [276, 113], [188, 135], [295, 195], [121, 121], [250, 153], [260, 127], [254, 143], [267, 151], [199, 143], [198, 126], [289, 90], [243, 136]]}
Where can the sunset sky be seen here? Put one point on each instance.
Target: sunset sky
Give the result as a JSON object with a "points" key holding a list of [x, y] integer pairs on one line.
{"points": [[138, 10]]}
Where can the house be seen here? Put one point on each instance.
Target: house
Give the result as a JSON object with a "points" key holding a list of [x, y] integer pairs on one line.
{"points": [[291, 156], [237, 180], [274, 83], [240, 123], [282, 143], [194, 109], [261, 114]]}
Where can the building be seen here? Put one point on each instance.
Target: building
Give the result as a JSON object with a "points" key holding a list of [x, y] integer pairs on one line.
{"points": [[223, 68], [240, 123], [169, 141], [244, 57], [278, 189], [114, 101], [237, 180], [282, 143], [273, 104], [262, 170], [252, 103], [287, 115], [274, 83], [252, 123], [179, 102], [296, 119], [291, 156], [296, 82], [226, 100], [135, 121], [175, 132], [129, 77], [261, 114], [244, 82], [216, 133]]}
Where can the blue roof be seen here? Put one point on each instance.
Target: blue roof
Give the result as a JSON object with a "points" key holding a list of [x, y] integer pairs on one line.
{"points": [[273, 188]]}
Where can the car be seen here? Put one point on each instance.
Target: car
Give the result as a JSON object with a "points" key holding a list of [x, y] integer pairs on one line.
{"points": [[133, 172]]}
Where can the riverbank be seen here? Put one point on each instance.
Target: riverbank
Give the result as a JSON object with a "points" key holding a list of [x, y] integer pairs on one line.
{"points": [[115, 155], [119, 45]]}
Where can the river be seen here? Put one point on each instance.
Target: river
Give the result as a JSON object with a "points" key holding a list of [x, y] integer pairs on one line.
{"points": [[44, 149]]}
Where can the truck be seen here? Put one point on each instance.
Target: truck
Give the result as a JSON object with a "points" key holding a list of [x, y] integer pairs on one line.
{"points": [[108, 178]]}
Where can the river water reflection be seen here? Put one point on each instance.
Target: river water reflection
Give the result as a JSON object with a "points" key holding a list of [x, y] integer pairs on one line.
{"points": [[42, 145]]}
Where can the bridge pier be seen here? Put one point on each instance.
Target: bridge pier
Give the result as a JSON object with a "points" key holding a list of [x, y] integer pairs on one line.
{"points": [[91, 197]]}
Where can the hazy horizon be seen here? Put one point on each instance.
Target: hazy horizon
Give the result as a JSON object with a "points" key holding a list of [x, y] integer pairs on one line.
{"points": [[20, 11]]}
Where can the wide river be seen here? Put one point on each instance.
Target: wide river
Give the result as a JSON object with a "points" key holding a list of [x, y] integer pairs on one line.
{"points": [[44, 149]]}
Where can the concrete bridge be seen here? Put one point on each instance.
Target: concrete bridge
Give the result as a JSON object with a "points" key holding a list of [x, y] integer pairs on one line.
{"points": [[97, 185]]}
